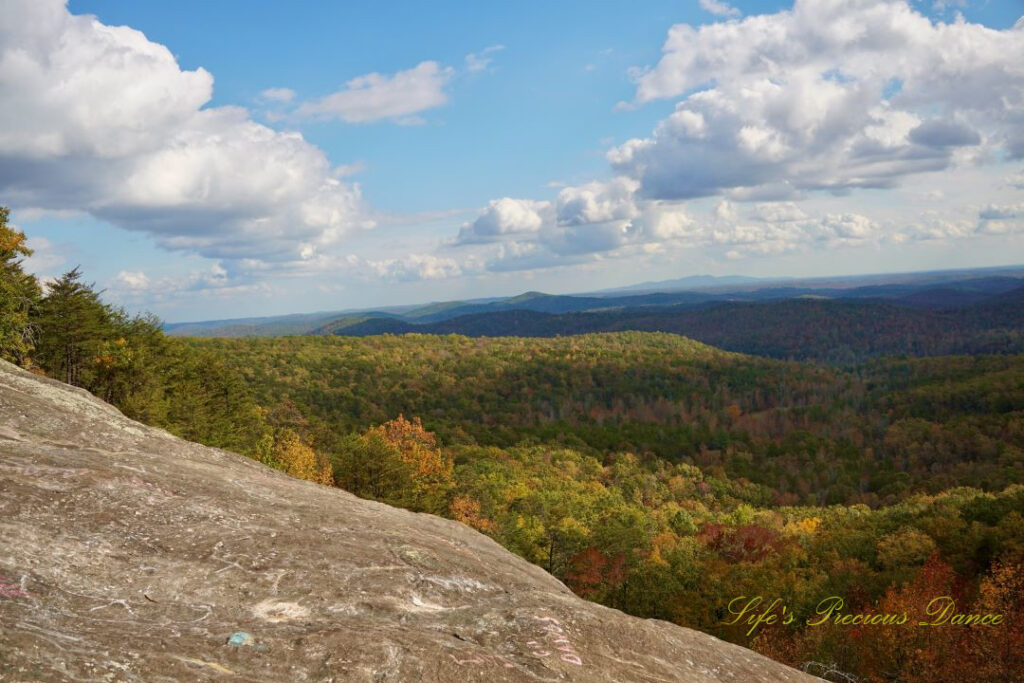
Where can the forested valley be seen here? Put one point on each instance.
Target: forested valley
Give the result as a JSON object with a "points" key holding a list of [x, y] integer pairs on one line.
{"points": [[647, 471]]}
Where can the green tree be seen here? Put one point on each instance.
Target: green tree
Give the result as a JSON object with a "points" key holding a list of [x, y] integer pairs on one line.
{"points": [[73, 323], [369, 466], [129, 366], [203, 399], [397, 462]]}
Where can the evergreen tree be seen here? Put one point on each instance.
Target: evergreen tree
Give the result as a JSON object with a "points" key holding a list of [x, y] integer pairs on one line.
{"points": [[73, 323], [129, 367]]}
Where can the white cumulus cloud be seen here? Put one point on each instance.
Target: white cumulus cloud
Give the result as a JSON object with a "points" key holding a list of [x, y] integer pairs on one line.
{"points": [[100, 119], [278, 95], [719, 9], [372, 97], [1001, 219], [136, 280], [505, 216], [414, 267], [828, 95], [597, 202]]}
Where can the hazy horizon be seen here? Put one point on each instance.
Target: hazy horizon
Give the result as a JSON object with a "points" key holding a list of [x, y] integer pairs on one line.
{"points": [[624, 290]]}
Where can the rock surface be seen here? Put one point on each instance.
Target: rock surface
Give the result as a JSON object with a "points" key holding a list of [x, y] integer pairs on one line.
{"points": [[127, 554]]}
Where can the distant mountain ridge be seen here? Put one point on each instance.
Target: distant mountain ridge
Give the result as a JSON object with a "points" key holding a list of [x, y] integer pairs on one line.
{"points": [[830, 330], [935, 291]]}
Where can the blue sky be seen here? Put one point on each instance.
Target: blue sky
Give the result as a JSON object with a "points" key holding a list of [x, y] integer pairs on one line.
{"points": [[452, 150]]}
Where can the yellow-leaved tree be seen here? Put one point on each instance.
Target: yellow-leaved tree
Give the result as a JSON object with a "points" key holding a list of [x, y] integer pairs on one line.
{"points": [[397, 462], [286, 451]]}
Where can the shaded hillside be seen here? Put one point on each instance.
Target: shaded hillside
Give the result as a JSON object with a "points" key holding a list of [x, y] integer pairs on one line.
{"points": [[836, 331], [921, 295], [243, 327], [933, 291], [130, 555], [530, 301]]}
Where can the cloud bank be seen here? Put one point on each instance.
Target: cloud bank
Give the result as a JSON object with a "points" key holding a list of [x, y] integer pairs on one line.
{"points": [[830, 95], [827, 99], [100, 119]]}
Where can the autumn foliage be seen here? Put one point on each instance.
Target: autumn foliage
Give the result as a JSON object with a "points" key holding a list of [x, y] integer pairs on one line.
{"points": [[397, 462], [299, 460], [593, 572]]}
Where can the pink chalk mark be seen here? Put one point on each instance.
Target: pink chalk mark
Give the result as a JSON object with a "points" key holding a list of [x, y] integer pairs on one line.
{"points": [[9, 589], [558, 636], [551, 619]]}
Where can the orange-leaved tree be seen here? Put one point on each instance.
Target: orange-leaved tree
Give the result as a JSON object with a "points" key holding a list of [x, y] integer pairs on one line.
{"points": [[397, 462], [19, 293]]}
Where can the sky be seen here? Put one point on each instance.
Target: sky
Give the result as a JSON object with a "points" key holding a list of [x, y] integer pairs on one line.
{"points": [[204, 160]]}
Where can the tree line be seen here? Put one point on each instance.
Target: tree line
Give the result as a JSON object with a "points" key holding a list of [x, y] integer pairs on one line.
{"points": [[65, 330]]}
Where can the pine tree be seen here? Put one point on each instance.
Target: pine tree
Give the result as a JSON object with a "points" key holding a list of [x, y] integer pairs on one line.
{"points": [[73, 323]]}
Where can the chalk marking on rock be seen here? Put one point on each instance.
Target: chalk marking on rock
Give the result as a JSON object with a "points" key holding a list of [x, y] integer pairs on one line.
{"points": [[123, 603], [559, 639], [485, 659], [421, 605], [211, 665], [458, 582], [276, 611]]}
